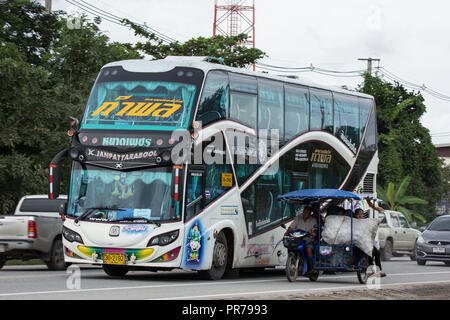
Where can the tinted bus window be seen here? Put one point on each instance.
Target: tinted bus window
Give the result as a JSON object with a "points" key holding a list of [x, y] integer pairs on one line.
{"points": [[321, 110], [243, 83], [364, 110], [194, 194], [243, 108], [313, 165], [296, 111], [346, 120], [270, 109], [214, 101], [219, 175], [244, 151], [141, 101]]}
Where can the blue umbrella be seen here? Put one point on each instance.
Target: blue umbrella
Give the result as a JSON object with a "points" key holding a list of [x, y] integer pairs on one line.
{"points": [[314, 194]]}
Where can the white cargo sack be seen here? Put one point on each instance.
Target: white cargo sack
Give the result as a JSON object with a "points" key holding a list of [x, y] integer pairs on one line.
{"points": [[337, 230]]}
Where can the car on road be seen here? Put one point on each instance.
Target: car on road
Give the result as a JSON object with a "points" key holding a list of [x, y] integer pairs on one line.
{"points": [[434, 242], [396, 235], [33, 231]]}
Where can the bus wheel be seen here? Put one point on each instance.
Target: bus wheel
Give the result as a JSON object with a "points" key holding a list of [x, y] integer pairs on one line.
{"points": [[115, 271], [219, 262]]}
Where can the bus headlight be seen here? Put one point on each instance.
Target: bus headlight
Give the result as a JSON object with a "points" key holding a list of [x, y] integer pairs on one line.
{"points": [[71, 236], [163, 239]]}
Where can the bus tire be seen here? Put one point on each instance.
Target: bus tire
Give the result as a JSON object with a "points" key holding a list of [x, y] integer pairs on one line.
{"points": [[56, 261], [219, 262], [115, 271]]}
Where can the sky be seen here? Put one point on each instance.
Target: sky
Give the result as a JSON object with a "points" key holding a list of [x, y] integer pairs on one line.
{"points": [[410, 37]]}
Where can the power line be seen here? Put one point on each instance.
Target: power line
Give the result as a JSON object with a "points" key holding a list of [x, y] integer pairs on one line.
{"points": [[114, 18], [355, 73], [411, 85]]}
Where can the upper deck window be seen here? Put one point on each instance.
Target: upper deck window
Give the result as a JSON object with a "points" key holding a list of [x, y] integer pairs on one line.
{"points": [[214, 101], [297, 111], [243, 99], [365, 105], [321, 110], [270, 105], [243, 83], [131, 100], [346, 120]]}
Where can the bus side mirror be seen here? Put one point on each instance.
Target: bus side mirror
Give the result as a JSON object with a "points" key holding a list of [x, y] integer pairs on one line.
{"points": [[413, 224], [283, 226], [54, 177]]}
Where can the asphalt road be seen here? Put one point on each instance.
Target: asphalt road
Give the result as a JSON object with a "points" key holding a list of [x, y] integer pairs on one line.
{"points": [[91, 283]]}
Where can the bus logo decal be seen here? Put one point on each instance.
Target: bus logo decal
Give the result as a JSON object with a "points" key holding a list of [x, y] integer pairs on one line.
{"points": [[126, 142], [194, 244], [163, 108]]}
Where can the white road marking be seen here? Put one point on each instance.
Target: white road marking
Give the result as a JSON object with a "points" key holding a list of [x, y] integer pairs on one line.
{"points": [[385, 286], [210, 283]]}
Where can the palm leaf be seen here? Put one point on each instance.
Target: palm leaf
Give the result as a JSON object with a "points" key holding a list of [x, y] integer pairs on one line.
{"points": [[390, 196], [411, 200], [410, 214], [402, 188]]}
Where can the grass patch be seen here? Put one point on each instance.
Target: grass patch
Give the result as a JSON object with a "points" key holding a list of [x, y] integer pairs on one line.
{"points": [[17, 262]]}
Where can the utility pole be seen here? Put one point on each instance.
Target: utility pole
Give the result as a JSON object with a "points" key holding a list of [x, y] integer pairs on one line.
{"points": [[369, 63], [48, 6]]}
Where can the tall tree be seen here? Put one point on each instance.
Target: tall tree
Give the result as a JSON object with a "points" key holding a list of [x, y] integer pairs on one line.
{"points": [[26, 24], [404, 144], [47, 69], [227, 48]]}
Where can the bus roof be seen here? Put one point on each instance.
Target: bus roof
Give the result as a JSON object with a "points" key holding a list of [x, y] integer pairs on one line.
{"points": [[164, 65]]}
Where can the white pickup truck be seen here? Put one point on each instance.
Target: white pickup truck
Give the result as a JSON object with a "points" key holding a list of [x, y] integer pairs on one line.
{"points": [[33, 231], [396, 236]]}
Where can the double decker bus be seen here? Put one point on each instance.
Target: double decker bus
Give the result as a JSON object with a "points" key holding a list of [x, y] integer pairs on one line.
{"points": [[178, 163]]}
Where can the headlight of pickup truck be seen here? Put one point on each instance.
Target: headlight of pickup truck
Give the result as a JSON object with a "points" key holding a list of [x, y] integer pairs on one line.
{"points": [[163, 239], [71, 236]]}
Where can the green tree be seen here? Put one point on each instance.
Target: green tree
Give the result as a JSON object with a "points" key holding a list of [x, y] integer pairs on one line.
{"points": [[47, 71], [26, 24], [404, 145], [227, 48], [396, 199], [28, 125]]}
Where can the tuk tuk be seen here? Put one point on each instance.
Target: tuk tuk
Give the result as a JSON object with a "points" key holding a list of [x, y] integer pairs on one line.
{"points": [[327, 256]]}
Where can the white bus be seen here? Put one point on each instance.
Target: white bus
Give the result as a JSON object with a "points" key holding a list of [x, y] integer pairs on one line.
{"points": [[135, 201]]}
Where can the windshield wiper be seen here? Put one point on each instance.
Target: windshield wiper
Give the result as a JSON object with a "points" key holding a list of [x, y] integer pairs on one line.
{"points": [[137, 219], [89, 210]]}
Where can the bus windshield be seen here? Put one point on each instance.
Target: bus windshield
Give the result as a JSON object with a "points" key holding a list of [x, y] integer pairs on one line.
{"points": [[159, 105], [100, 194]]}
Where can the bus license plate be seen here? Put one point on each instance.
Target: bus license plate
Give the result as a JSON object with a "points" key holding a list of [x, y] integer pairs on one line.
{"points": [[439, 250], [113, 258]]}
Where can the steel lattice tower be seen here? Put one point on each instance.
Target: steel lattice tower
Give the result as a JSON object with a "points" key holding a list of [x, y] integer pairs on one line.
{"points": [[232, 17]]}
